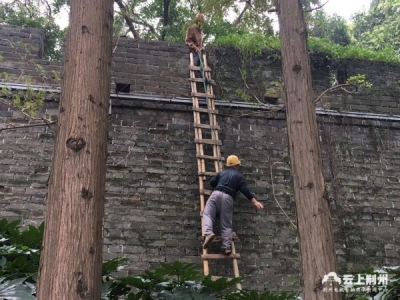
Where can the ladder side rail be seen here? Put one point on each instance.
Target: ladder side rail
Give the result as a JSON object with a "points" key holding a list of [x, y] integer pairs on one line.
{"points": [[212, 117], [199, 151]]}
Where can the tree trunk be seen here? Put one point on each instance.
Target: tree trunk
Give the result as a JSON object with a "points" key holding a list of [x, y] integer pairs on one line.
{"points": [[165, 18], [318, 256], [71, 259]]}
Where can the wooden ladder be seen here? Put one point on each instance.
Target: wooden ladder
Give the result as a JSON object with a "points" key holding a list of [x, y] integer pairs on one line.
{"points": [[208, 150]]}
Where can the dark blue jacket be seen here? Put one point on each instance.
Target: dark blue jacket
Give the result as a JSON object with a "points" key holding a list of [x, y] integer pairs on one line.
{"points": [[230, 181]]}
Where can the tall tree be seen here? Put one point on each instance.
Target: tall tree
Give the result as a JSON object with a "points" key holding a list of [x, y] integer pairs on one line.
{"points": [[317, 251], [333, 28], [71, 260]]}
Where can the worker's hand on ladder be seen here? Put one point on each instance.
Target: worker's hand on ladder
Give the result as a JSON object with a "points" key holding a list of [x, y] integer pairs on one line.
{"points": [[257, 204]]}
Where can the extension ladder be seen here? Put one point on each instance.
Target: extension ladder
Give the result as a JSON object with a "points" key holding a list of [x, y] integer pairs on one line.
{"points": [[208, 150]]}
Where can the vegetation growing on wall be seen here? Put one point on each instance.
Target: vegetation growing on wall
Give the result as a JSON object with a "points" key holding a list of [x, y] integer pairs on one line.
{"points": [[254, 44], [36, 15], [371, 35]]}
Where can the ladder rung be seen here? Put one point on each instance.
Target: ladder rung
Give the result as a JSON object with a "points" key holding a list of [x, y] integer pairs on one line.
{"points": [[219, 277], [207, 126], [220, 256], [207, 173], [218, 238], [196, 79], [205, 192], [210, 157], [195, 68], [208, 142], [203, 95], [206, 110]]}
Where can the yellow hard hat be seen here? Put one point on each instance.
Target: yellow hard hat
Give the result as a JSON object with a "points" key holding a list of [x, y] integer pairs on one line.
{"points": [[232, 160]]}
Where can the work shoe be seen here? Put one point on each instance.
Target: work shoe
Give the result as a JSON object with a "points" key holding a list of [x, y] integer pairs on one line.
{"points": [[227, 251], [208, 239]]}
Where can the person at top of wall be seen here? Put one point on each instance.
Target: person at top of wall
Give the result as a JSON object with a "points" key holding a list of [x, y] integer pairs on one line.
{"points": [[194, 40]]}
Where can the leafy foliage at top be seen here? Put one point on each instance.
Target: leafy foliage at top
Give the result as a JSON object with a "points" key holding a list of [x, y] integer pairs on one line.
{"points": [[333, 28], [379, 28], [245, 25], [334, 37], [251, 45]]}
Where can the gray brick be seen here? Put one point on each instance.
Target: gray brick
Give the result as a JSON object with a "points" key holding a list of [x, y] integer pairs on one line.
{"points": [[152, 205]]}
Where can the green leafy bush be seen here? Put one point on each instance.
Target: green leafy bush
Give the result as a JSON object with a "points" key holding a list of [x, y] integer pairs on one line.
{"points": [[20, 258], [177, 281], [249, 44], [253, 45], [17, 289], [19, 264], [19, 251]]}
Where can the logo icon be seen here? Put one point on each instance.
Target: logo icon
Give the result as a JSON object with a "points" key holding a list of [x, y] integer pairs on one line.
{"points": [[331, 277]]}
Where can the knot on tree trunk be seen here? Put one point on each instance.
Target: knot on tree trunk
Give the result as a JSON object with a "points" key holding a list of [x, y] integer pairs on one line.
{"points": [[86, 194], [296, 68], [76, 144], [81, 286]]}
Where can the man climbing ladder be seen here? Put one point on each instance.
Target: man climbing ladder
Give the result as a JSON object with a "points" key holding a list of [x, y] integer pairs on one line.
{"points": [[226, 184], [209, 158]]}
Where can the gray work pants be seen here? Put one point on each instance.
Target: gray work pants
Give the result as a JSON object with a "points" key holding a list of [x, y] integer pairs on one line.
{"points": [[220, 204]]}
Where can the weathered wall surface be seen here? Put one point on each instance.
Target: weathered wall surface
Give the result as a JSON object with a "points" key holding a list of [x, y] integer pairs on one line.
{"points": [[160, 68], [21, 50], [263, 73], [152, 204], [152, 209]]}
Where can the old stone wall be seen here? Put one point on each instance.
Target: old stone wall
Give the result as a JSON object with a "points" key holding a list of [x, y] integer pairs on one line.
{"points": [[21, 52], [160, 68], [240, 78], [152, 206]]}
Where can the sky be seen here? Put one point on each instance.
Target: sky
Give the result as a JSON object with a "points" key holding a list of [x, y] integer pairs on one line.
{"points": [[343, 8], [339, 7], [346, 8]]}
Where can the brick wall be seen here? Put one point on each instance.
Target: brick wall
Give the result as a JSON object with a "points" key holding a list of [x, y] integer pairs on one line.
{"points": [[160, 68], [152, 206], [263, 73], [21, 52]]}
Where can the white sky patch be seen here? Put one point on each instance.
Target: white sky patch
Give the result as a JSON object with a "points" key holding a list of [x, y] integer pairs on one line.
{"points": [[343, 8], [346, 8]]}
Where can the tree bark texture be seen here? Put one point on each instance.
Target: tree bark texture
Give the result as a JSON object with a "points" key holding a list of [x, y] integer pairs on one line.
{"points": [[318, 256], [71, 259]]}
